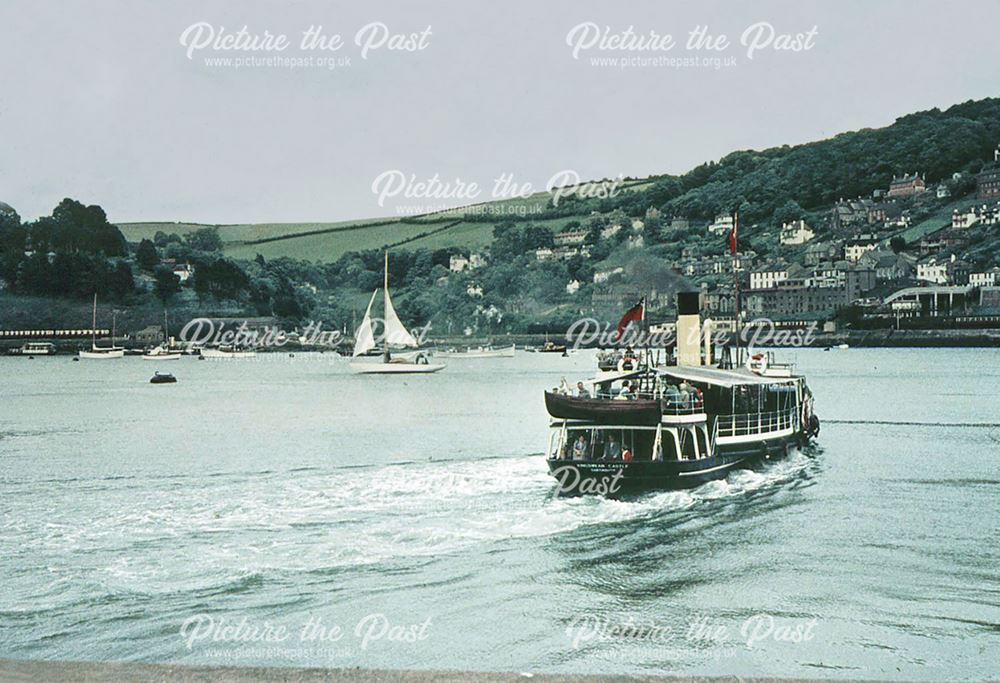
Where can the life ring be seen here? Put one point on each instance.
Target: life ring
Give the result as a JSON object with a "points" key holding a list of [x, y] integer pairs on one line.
{"points": [[757, 363], [813, 426]]}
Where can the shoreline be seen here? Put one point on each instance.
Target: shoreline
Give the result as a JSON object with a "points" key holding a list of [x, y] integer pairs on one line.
{"points": [[877, 338], [127, 672]]}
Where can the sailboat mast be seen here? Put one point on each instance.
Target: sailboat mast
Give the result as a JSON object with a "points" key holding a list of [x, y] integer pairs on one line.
{"points": [[385, 309], [93, 324]]}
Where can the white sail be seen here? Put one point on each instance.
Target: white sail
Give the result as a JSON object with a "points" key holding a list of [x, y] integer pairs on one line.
{"points": [[364, 339], [396, 333]]}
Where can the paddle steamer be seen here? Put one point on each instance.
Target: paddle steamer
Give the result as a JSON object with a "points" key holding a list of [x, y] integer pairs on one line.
{"points": [[676, 426]]}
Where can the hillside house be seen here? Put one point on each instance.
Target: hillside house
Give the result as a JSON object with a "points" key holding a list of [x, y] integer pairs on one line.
{"points": [[722, 225], [855, 248], [796, 232], [985, 278], [768, 276], [988, 180], [569, 238], [906, 185]]}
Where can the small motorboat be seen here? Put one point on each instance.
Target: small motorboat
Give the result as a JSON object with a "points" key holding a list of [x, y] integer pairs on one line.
{"points": [[550, 347], [162, 378], [481, 352], [161, 352]]}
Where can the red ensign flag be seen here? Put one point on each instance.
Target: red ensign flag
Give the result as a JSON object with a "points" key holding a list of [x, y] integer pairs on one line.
{"points": [[637, 312]]}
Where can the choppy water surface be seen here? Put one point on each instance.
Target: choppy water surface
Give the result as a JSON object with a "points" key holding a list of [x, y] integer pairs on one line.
{"points": [[287, 492]]}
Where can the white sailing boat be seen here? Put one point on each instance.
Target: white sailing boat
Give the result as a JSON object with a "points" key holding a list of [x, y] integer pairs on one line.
{"points": [[163, 351], [394, 333], [101, 352]]}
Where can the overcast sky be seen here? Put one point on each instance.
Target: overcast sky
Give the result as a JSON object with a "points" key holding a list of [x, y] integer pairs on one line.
{"points": [[100, 101]]}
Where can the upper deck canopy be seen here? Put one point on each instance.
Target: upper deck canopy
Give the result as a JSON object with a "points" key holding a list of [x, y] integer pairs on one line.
{"points": [[721, 378]]}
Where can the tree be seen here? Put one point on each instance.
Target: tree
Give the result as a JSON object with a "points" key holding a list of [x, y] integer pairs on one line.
{"points": [[167, 284], [204, 239], [146, 255], [897, 244], [120, 281], [788, 212], [221, 278], [75, 227]]}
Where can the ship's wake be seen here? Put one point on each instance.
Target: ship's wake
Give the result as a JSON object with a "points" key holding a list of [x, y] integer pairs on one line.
{"points": [[329, 520]]}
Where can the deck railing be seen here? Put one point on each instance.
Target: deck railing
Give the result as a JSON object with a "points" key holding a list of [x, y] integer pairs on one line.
{"points": [[756, 423]]}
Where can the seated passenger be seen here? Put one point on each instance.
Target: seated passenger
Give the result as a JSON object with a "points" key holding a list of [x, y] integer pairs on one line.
{"points": [[613, 450], [581, 391], [580, 448], [672, 394], [687, 395], [625, 394]]}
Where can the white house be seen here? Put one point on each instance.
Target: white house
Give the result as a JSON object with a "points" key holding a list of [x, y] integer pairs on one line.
{"points": [[543, 254], [857, 248], [769, 276], [573, 286], [987, 278], [457, 263], [722, 225], [934, 271], [964, 219], [474, 291], [477, 260], [796, 232], [183, 272]]}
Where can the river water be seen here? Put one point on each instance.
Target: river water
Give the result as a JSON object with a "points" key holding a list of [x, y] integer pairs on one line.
{"points": [[282, 511]]}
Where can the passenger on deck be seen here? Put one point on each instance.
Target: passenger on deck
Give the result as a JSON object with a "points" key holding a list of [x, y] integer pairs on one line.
{"points": [[613, 451], [580, 448], [627, 454], [672, 395], [626, 393], [581, 391], [687, 395]]}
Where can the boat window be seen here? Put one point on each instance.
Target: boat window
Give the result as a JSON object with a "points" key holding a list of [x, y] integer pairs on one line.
{"points": [[604, 443]]}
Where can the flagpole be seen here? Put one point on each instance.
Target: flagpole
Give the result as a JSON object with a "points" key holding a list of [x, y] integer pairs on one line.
{"points": [[645, 329], [734, 248]]}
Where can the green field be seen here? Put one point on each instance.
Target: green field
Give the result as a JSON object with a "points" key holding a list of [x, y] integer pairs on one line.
{"points": [[237, 232], [326, 242], [937, 220]]}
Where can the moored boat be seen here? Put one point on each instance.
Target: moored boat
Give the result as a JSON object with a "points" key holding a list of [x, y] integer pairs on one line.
{"points": [[480, 352], [36, 349], [227, 352], [101, 352], [163, 351]]}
